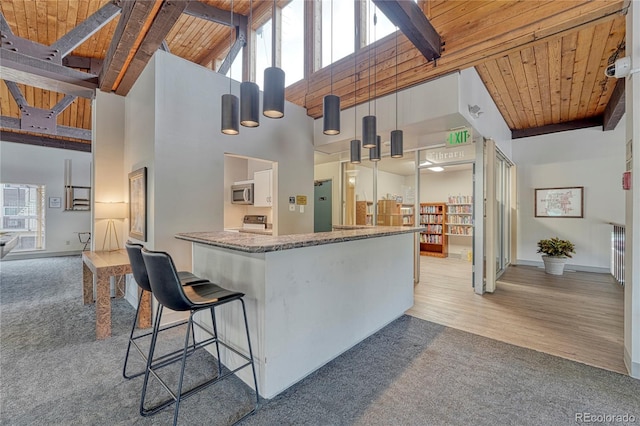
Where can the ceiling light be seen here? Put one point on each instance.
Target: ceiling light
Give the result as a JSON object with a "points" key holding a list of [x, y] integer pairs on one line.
{"points": [[369, 126], [249, 93], [229, 119], [436, 169], [397, 137], [374, 153], [426, 163], [356, 157], [273, 97], [331, 102]]}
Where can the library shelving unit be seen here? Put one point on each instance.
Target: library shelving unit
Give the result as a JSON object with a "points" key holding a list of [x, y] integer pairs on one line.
{"points": [[393, 213], [460, 216], [364, 212], [433, 241]]}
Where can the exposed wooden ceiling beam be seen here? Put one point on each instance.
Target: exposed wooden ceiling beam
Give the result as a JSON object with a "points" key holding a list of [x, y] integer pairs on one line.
{"points": [[213, 14], [559, 127], [241, 41], [74, 38], [135, 14], [615, 108], [44, 141], [92, 65], [31, 71], [62, 131], [17, 94], [413, 23], [162, 23]]}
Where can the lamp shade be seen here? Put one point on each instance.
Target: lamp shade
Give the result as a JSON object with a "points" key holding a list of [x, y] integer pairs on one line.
{"points": [[273, 98], [249, 104], [355, 152], [396, 144], [230, 125], [374, 153], [331, 118], [369, 131], [111, 210]]}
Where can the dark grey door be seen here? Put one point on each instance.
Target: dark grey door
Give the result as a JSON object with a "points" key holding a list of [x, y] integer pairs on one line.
{"points": [[322, 206]]}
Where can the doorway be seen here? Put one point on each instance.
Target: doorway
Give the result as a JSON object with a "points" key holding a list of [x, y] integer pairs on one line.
{"points": [[322, 206]]}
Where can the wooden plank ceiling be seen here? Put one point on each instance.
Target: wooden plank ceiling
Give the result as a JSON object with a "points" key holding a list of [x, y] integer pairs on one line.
{"points": [[542, 61]]}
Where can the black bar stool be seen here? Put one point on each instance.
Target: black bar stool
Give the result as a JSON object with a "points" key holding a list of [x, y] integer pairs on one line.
{"points": [[139, 271], [170, 293]]}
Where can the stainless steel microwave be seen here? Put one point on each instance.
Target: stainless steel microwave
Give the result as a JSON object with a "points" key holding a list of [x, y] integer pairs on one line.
{"points": [[242, 193]]}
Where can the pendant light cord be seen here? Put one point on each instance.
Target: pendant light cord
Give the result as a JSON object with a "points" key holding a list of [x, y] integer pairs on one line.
{"points": [[331, 54], [355, 95], [369, 76], [230, 44], [273, 35], [375, 60], [396, 78], [249, 35]]}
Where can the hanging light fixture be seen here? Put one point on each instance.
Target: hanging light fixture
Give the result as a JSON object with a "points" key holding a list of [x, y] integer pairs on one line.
{"points": [[229, 119], [273, 98], [397, 135], [249, 91], [331, 102], [356, 156], [369, 126], [374, 153]]}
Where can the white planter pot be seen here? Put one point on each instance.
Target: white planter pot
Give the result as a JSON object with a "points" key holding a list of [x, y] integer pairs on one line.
{"points": [[554, 265]]}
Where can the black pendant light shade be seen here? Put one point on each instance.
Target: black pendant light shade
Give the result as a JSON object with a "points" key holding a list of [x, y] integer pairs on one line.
{"points": [[355, 152], [369, 131], [249, 104], [273, 98], [374, 153], [230, 120], [396, 143], [331, 107]]}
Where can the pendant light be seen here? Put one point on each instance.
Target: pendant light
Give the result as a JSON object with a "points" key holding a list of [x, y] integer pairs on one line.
{"points": [[273, 97], [369, 126], [229, 119], [374, 153], [397, 135], [249, 91], [331, 102], [356, 156]]}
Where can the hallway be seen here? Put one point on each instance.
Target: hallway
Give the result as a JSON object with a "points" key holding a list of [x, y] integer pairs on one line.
{"points": [[578, 316]]}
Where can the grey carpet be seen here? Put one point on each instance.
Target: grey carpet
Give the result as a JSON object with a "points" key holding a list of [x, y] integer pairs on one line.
{"points": [[413, 372]]}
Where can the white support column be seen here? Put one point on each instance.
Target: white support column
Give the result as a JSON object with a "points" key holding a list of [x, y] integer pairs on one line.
{"points": [[632, 260]]}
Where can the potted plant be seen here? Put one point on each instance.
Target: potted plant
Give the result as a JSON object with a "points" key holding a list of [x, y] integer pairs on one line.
{"points": [[555, 253]]}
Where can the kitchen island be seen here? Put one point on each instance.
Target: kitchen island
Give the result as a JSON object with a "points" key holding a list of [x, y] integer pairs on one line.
{"points": [[309, 297]]}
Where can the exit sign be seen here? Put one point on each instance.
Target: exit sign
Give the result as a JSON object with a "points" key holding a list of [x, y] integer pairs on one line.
{"points": [[459, 137]]}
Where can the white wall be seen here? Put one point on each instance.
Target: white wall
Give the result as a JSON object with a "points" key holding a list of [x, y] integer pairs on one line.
{"points": [[178, 138], [590, 158], [45, 166], [437, 187]]}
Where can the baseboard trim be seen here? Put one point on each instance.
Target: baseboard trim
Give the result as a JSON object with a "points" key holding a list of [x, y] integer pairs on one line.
{"points": [[568, 267], [632, 367], [40, 254]]}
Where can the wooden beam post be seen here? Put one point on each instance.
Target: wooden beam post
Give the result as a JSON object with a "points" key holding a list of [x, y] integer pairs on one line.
{"points": [[558, 127], [615, 109], [44, 141], [408, 16]]}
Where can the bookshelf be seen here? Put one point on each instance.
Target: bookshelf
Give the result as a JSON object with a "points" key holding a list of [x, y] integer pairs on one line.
{"points": [[364, 213], [433, 241], [392, 213], [459, 221]]}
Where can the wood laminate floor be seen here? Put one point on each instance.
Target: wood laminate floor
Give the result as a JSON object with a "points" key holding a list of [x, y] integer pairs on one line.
{"points": [[578, 315]]}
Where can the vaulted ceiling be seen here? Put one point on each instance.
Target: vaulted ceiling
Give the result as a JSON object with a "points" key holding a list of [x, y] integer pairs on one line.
{"points": [[542, 61]]}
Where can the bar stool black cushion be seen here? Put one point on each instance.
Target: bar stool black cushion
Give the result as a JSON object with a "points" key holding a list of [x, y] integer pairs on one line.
{"points": [[169, 292], [139, 271]]}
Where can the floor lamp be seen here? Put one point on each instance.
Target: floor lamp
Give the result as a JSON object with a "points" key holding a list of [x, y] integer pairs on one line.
{"points": [[111, 212]]}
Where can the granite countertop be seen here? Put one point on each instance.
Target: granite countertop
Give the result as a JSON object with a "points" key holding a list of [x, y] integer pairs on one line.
{"points": [[255, 243]]}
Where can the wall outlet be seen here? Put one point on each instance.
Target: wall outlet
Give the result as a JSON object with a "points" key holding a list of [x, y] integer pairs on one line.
{"points": [[292, 207]]}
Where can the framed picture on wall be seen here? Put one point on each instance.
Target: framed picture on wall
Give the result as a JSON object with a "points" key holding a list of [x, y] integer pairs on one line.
{"points": [[55, 202], [559, 202], [138, 204]]}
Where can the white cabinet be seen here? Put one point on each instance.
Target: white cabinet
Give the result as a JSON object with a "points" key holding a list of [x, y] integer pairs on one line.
{"points": [[262, 188]]}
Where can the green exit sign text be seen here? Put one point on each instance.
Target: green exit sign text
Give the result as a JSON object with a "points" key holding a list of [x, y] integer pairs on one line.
{"points": [[459, 137]]}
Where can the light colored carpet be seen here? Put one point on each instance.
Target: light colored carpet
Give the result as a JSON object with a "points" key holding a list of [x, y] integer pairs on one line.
{"points": [[413, 372]]}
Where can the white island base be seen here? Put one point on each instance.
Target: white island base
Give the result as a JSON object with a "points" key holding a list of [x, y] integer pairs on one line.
{"points": [[306, 305]]}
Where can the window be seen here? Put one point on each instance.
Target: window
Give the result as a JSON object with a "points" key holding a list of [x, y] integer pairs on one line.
{"points": [[263, 52], [343, 30], [384, 26], [23, 214], [292, 60], [235, 71]]}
